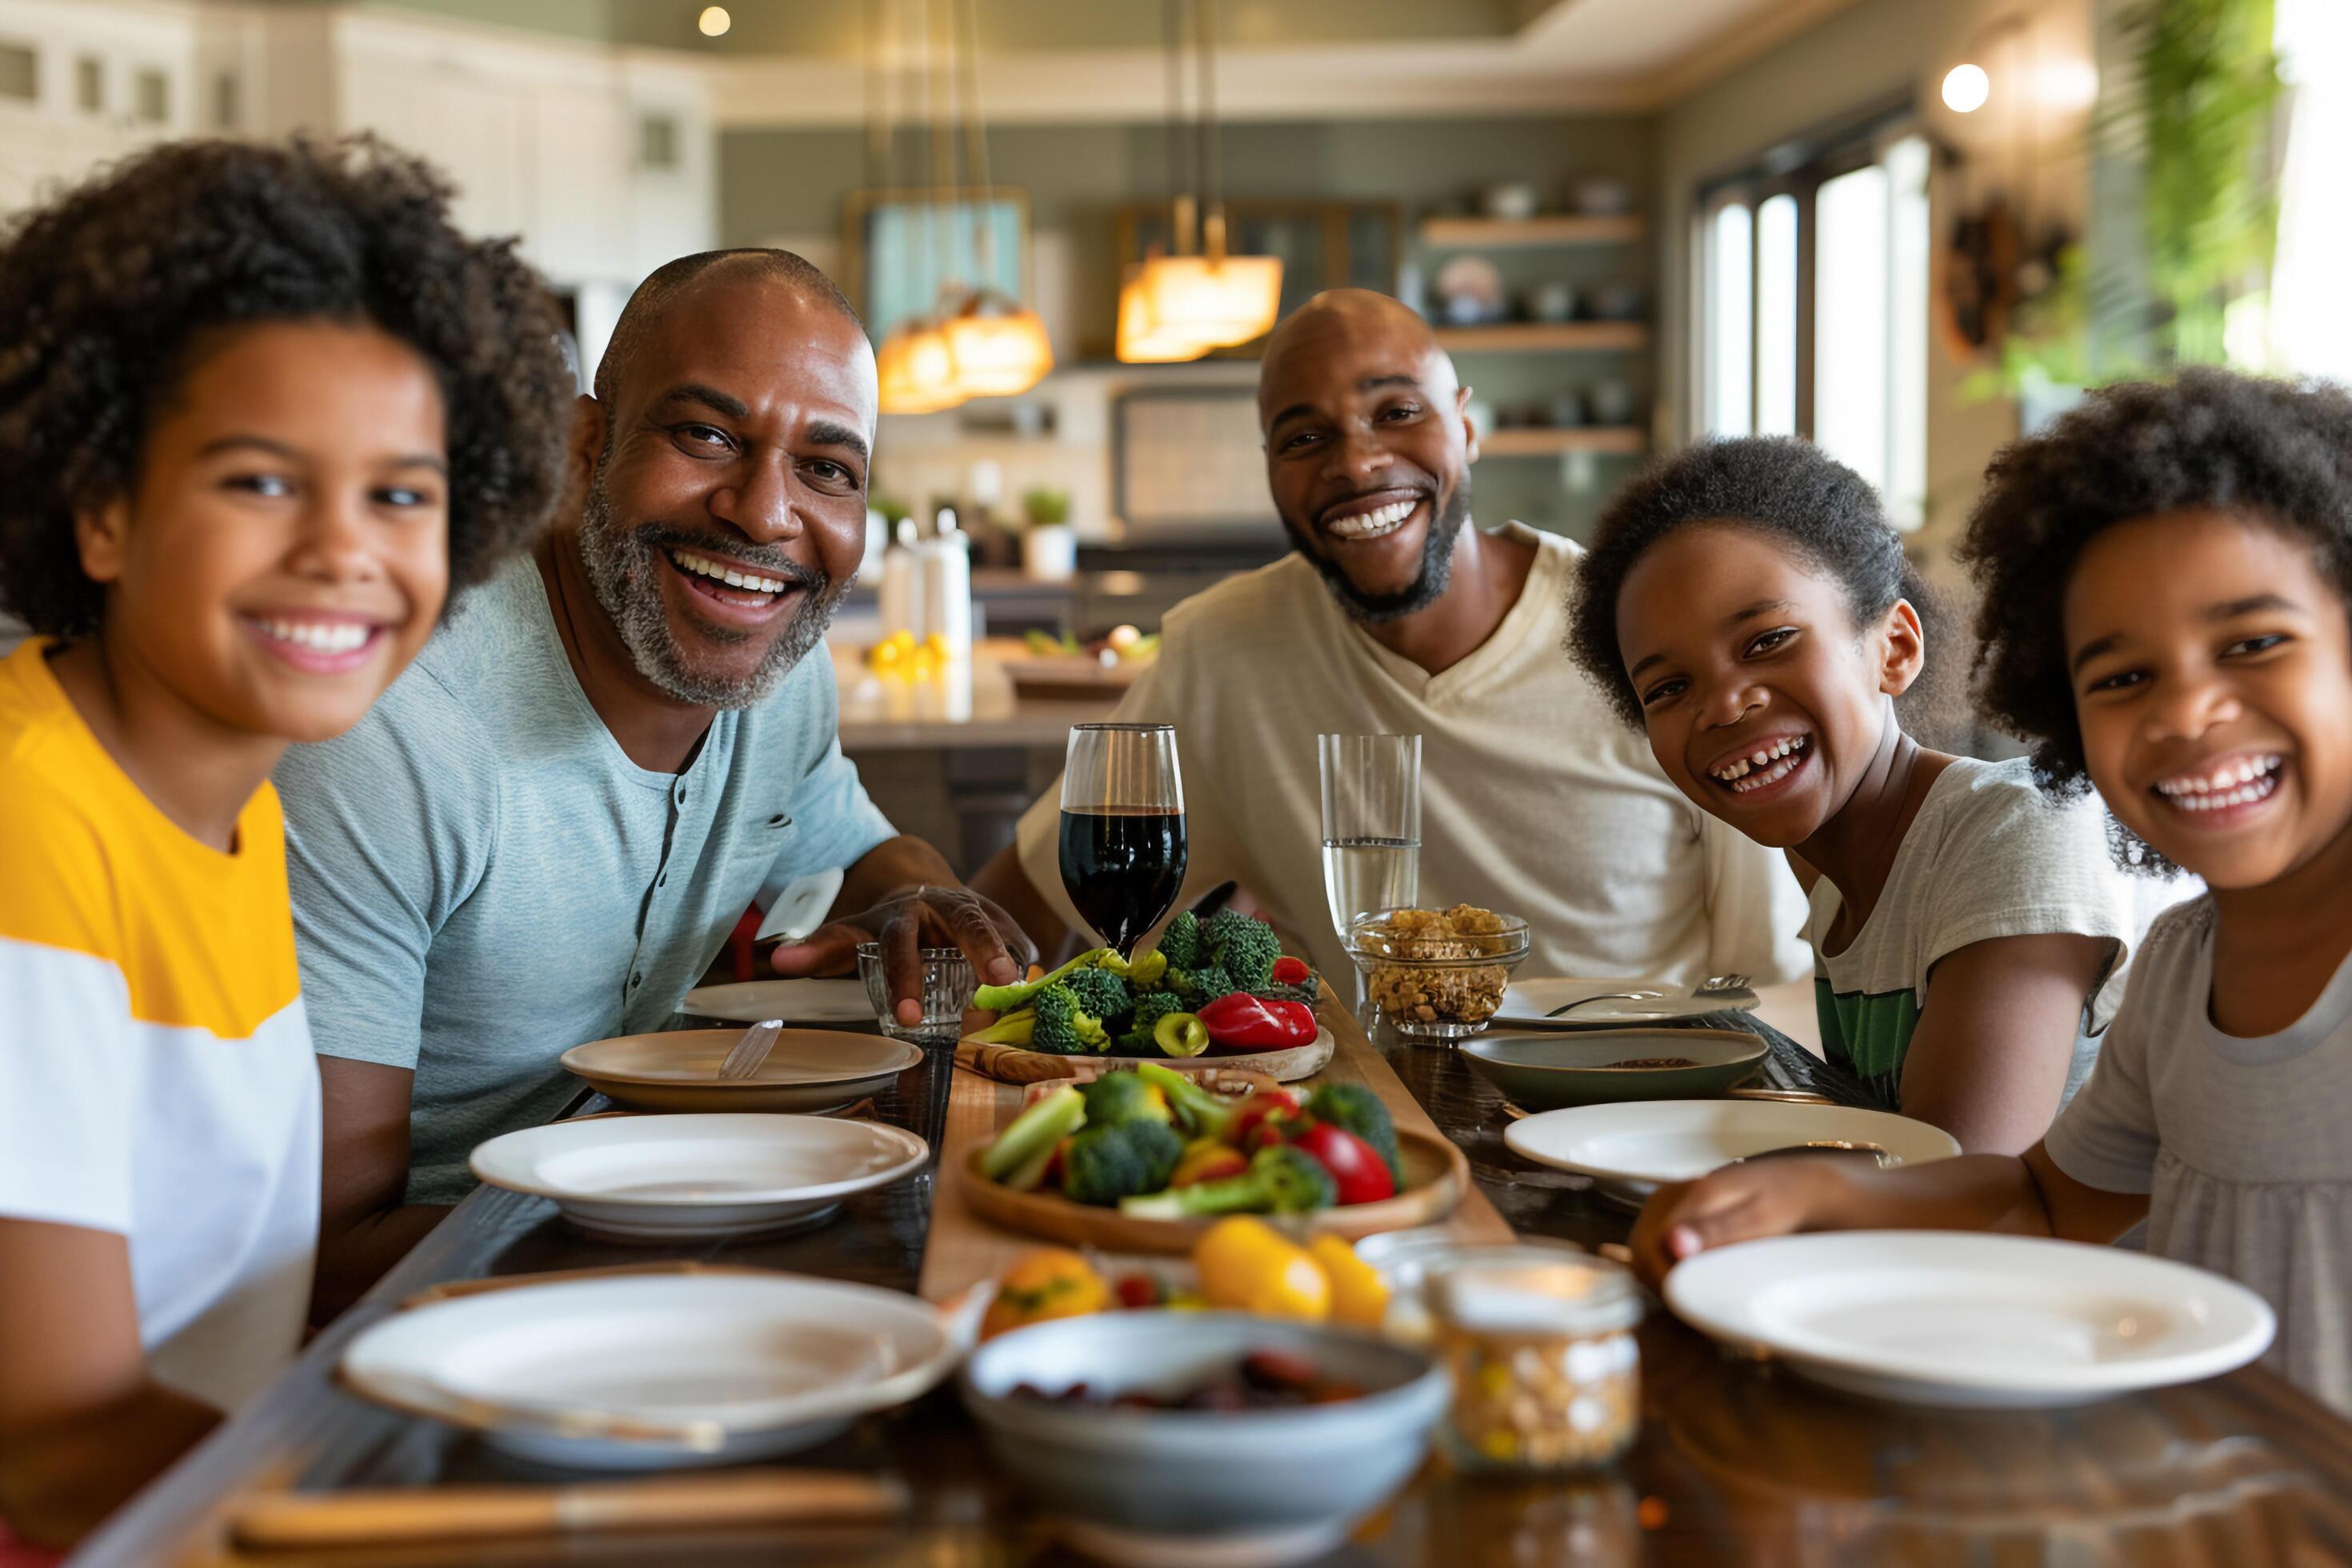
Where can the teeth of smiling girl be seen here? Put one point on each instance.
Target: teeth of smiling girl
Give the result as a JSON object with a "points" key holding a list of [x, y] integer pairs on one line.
{"points": [[2251, 778], [1372, 524], [325, 637], [1731, 772], [734, 577]]}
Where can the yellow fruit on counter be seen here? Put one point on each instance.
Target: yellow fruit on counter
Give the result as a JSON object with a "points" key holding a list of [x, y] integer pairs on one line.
{"points": [[936, 645], [1045, 1283], [1359, 1297], [1248, 1266]]}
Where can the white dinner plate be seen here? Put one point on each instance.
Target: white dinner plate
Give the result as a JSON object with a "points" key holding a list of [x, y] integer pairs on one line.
{"points": [[1630, 1148], [699, 1178], [807, 1069], [1955, 1319], [651, 1371], [1529, 1001], [827, 1001]]}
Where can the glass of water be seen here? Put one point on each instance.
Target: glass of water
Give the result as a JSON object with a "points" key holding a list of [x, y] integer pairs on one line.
{"points": [[1371, 824]]}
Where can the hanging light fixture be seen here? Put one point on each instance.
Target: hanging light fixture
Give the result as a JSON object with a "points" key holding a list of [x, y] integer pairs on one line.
{"points": [[1180, 307], [915, 364], [999, 345]]}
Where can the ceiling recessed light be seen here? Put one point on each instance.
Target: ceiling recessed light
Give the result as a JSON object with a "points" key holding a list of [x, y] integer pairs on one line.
{"points": [[714, 21], [1965, 87]]}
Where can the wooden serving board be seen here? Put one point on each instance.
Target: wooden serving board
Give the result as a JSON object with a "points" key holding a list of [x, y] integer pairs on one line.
{"points": [[963, 1248], [1436, 1177], [1011, 1064]]}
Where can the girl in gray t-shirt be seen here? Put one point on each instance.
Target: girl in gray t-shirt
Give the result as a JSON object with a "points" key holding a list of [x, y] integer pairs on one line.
{"points": [[1747, 606], [2164, 577]]}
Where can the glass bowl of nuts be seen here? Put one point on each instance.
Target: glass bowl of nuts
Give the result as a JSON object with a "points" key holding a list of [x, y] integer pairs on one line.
{"points": [[1437, 974]]}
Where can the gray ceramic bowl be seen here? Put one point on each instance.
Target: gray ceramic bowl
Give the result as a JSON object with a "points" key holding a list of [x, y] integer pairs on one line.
{"points": [[1546, 1071], [1208, 1478]]}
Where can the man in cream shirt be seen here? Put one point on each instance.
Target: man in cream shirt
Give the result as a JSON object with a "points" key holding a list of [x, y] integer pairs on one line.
{"points": [[1392, 614]]}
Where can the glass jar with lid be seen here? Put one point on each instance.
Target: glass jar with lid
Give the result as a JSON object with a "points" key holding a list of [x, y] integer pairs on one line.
{"points": [[1540, 1343]]}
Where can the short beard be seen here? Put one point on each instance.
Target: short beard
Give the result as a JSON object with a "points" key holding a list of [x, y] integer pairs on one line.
{"points": [[623, 563], [1426, 589]]}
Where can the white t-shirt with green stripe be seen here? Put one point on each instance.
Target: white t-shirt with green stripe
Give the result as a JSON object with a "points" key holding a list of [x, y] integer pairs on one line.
{"points": [[1987, 855]]}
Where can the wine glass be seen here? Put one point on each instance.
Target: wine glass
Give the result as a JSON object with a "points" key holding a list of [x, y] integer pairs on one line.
{"points": [[1371, 824], [1122, 828]]}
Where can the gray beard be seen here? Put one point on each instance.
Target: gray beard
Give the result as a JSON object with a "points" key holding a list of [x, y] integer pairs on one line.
{"points": [[622, 563], [1426, 589]]}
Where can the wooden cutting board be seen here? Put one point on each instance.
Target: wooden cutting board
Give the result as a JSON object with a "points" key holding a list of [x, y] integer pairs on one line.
{"points": [[964, 1249]]}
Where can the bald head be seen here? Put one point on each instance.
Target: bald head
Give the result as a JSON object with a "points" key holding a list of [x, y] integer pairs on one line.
{"points": [[1349, 323], [1367, 449], [689, 274]]}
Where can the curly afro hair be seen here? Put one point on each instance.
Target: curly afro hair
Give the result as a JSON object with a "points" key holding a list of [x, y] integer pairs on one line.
{"points": [[1785, 488], [2278, 451], [109, 294]]}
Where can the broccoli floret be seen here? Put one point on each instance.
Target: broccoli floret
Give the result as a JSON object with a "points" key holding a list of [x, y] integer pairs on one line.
{"points": [[1205, 1114], [1309, 991], [1180, 944], [1244, 948], [1020, 994], [1199, 987], [1118, 1098], [1150, 1008], [1100, 992], [1357, 1109], [1064, 1026], [1280, 1179], [1104, 1164]]}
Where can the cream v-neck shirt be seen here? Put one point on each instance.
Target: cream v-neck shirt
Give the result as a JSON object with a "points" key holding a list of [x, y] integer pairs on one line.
{"points": [[1536, 800]]}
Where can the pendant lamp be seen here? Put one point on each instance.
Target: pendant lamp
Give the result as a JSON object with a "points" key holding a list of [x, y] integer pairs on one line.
{"points": [[1180, 307], [999, 347]]}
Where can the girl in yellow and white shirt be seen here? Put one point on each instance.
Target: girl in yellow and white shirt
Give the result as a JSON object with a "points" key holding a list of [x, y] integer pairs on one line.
{"points": [[259, 408]]}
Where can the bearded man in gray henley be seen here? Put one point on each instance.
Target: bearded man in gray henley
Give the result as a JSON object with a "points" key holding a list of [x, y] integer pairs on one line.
{"points": [[544, 832]]}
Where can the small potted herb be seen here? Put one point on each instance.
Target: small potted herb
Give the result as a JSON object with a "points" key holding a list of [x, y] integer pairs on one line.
{"points": [[1049, 545]]}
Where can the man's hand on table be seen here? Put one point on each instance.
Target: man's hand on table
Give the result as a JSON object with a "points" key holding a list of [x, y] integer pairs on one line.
{"points": [[920, 917]]}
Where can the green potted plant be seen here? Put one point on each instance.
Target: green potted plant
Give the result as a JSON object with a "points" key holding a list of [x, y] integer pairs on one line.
{"points": [[1049, 545]]}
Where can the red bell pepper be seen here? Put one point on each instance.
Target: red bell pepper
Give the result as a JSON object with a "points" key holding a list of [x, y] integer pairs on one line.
{"points": [[1256, 1121], [1361, 1175], [1252, 1023], [1289, 970]]}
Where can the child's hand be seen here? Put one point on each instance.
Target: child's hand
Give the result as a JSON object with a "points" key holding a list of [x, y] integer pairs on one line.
{"points": [[1739, 1204]]}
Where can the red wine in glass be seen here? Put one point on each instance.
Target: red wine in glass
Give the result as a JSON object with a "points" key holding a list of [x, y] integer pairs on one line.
{"points": [[1122, 828], [1123, 866]]}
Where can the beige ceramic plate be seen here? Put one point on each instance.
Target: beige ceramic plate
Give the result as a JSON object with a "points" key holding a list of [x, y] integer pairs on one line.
{"points": [[810, 1069]]}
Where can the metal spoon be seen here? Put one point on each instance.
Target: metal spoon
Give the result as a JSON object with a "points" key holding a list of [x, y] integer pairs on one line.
{"points": [[752, 1051]]}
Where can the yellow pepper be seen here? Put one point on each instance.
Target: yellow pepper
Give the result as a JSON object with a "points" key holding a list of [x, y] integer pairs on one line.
{"points": [[1047, 1282], [1246, 1265], [1359, 1297]]}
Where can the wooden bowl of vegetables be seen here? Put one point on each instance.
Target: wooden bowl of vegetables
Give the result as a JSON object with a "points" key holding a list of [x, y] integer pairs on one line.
{"points": [[1145, 1160], [1213, 988]]}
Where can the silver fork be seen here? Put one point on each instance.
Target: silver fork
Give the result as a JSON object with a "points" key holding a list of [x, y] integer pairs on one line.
{"points": [[752, 1051], [1713, 986]]}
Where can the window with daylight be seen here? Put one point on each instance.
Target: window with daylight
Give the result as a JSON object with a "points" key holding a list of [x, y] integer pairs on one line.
{"points": [[1814, 280]]}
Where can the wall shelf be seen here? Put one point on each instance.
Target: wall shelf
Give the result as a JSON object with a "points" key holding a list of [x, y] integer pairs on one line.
{"points": [[1546, 337], [1505, 232], [1610, 440]]}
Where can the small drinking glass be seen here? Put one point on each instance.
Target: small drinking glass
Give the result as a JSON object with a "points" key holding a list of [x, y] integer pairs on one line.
{"points": [[947, 985], [1371, 824], [1122, 828]]}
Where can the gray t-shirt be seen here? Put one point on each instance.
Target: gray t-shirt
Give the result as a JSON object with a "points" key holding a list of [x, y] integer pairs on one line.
{"points": [[2244, 1146], [1987, 855], [483, 879]]}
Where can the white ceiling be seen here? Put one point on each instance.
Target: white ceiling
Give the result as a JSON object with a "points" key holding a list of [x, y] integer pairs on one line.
{"points": [[1569, 56]]}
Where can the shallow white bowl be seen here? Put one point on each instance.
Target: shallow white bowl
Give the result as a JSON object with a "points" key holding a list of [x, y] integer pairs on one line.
{"points": [[698, 1177], [1952, 1318], [742, 1364], [1630, 1148]]}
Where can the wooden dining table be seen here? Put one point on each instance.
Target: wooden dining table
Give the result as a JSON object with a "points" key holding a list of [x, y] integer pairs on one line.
{"points": [[1738, 1461]]}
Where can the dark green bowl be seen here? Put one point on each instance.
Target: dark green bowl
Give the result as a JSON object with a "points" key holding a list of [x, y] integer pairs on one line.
{"points": [[1546, 1071]]}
